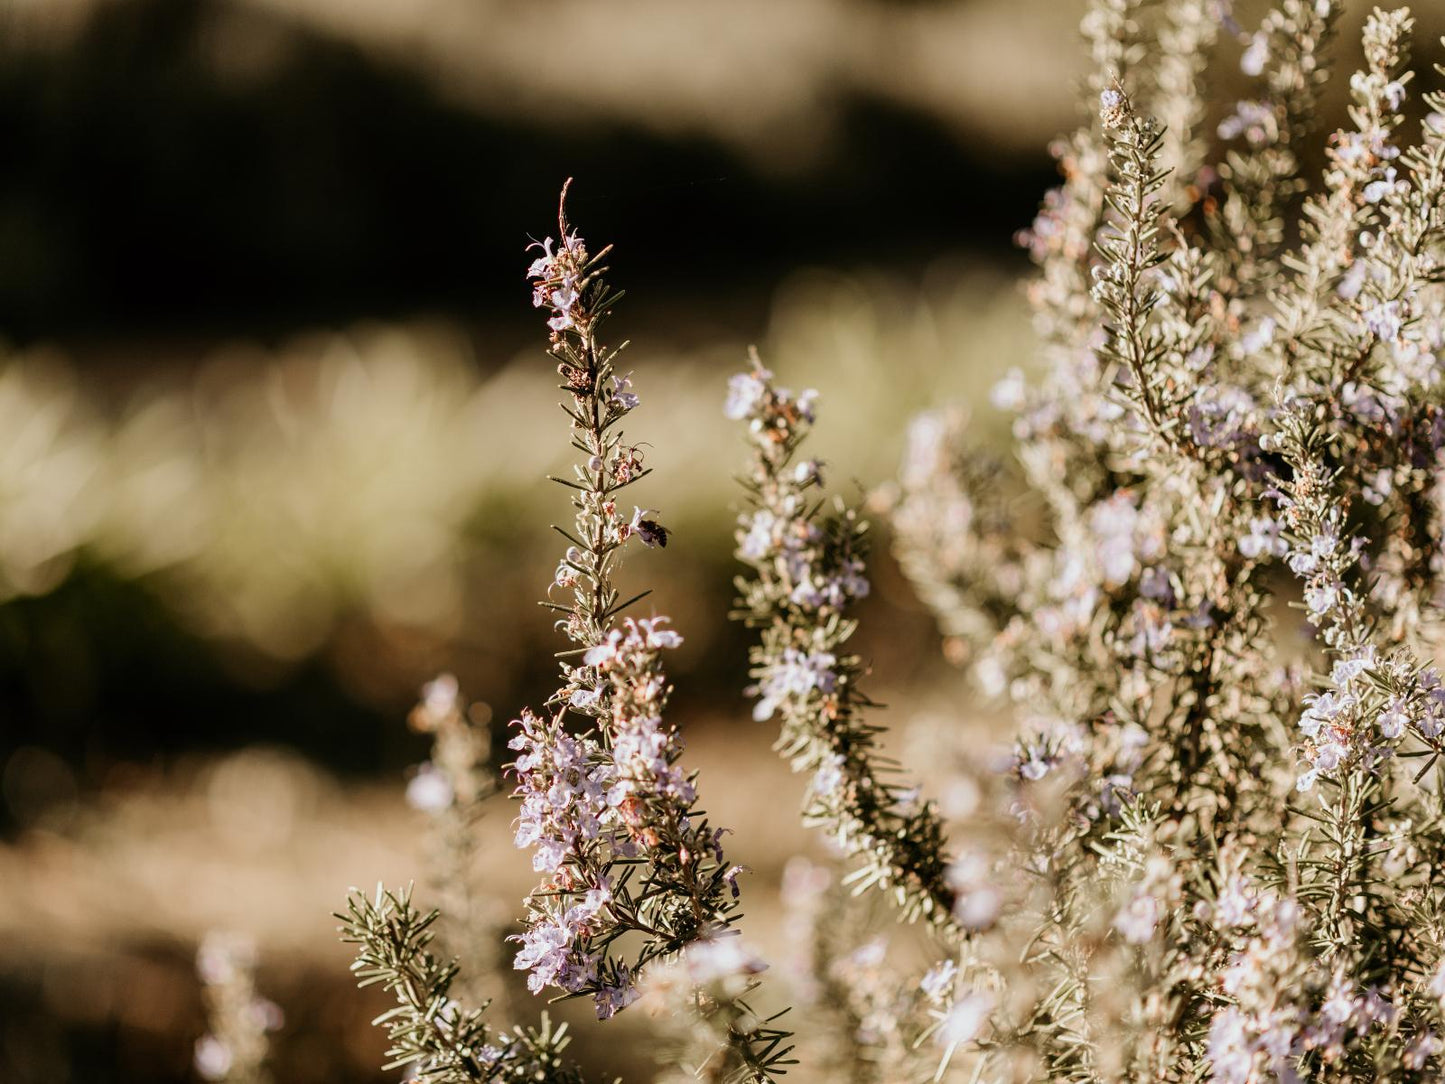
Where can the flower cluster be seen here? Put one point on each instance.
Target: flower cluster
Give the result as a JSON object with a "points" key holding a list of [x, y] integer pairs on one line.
{"points": [[558, 279], [807, 570]]}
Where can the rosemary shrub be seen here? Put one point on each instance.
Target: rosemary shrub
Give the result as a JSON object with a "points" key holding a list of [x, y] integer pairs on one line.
{"points": [[1202, 599]]}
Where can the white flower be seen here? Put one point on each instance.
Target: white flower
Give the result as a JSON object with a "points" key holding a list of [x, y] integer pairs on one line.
{"points": [[1137, 920], [720, 958], [938, 983], [213, 1058], [1254, 58], [1010, 393], [966, 1019], [746, 391], [1385, 321], [429, 791]]}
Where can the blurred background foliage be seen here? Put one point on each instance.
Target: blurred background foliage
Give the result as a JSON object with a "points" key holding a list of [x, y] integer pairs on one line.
{"points": [[275, 416]]}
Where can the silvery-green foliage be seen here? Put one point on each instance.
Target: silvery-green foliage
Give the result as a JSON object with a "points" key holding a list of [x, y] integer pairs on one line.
{"points": [[437, 1039], [1225, 863]]}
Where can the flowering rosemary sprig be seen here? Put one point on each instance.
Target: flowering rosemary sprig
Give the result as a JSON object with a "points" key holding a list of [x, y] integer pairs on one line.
{"points": [[1260, 178], [235, 1048], [439, 1040], [1315, 306], [1186, 37], [807, 570], [451, 788], [610, 813], [1129, 247]]}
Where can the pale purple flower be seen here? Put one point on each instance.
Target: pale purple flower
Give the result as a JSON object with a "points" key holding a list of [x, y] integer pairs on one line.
{"points": [[1155, 584], [978, 908], [1010, 393], [793, 678], [1385, 321], [582, 699], [976, 901], [622, 397], [648, 531], [564, 299], [605, 652], [1329, 756], [1235, 905], [1322, 598], [808, 471], [1263, 333], [1230, 1048], [1378, 486], [721, 957], [541, 267], [213, 1058], [1420, 1049], [1136, 921], [1034, 768], [828, 778], [1254, 120], [1263, 539], [1352, 281], [1113, 523], [746, 392], [612, 999], [655, 635], [966, 1019], [817, 588], [429, 791], [1254, 58], [1436, 986], [1346, 671], [938, 983], [1377, 190], [1394, 718]]}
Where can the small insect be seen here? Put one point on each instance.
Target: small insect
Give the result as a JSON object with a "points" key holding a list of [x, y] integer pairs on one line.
{"points": [[649, 531]]}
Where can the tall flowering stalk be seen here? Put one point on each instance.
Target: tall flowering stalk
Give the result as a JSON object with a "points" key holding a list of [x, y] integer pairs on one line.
{"points": [[807, 571], [609, 813], [451, 788]]}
